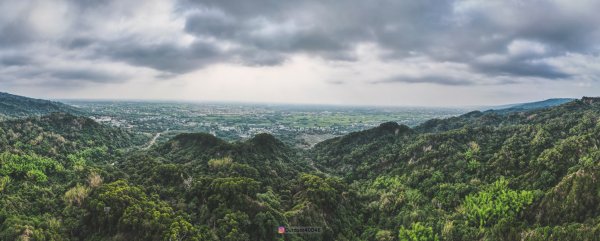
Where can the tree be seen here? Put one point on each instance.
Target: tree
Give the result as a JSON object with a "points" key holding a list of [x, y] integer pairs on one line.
{"points": [[181, 230], [417, 232], [494, 203], [4, 180], [232, 226], [76, 195], [31, 167]]}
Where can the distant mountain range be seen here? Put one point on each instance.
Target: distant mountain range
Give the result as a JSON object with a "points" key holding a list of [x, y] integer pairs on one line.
{"points": [[530, 105], [15, 106]]}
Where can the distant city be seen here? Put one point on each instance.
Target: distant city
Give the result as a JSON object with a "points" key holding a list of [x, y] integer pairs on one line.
{"points": [[298, 125]]}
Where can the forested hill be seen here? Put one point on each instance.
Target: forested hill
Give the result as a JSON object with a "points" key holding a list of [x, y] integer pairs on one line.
{"points": [[526, 175], [394, 145], [59, 134], [14, 106]]}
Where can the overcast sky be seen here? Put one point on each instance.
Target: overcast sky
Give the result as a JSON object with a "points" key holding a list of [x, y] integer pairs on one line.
{"points": [[421, 52]]}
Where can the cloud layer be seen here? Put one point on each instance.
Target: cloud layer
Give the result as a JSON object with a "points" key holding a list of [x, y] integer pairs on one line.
{"points": [[447, 43]]}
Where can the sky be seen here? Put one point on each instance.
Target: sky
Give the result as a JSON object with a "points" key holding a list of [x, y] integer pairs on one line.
{"points": [[354, 52]]}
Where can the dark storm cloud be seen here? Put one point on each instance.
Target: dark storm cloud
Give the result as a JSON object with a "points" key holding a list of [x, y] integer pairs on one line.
{"points": [[84, 74], [442, 80], [13, 34], [15, 60], [523, 69], [164, 57], [456, 31], [54, 77], [261, 34], [268, 32]]}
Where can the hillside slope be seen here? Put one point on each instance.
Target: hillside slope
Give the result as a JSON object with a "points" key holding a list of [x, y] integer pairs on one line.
{"points": [[455, 169], [59, 134], [531, 105], [14, 106]]}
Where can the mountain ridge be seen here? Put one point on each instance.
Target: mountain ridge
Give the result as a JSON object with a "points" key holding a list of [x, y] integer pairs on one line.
{"points": [[530, 105], [16, 106]]}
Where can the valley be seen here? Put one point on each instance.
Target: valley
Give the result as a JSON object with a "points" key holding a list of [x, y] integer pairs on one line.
{"points": [[298, 125]]}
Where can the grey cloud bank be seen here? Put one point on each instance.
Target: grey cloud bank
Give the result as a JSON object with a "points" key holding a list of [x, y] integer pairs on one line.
{"points": [[458, 43]]}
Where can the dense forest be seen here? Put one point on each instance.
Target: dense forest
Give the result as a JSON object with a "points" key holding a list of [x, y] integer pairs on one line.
{"points": [[495, 175]]}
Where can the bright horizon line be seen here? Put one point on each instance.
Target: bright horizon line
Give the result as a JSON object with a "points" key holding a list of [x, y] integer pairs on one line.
{"points": [[245, 102], [242, 102]]}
